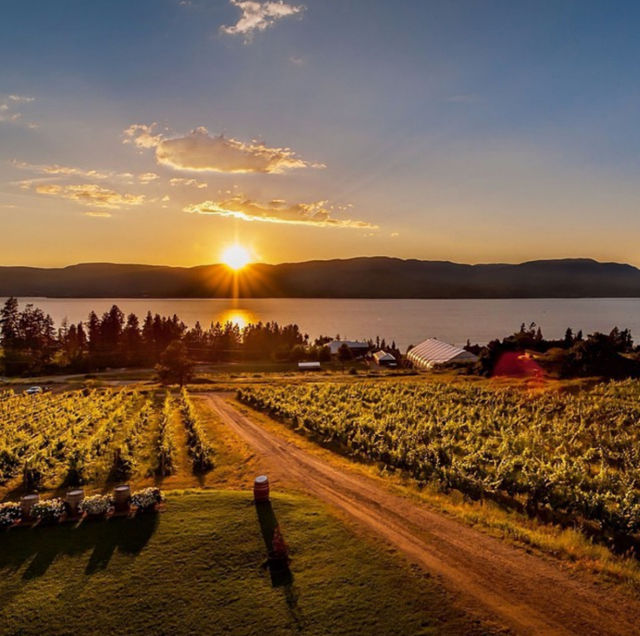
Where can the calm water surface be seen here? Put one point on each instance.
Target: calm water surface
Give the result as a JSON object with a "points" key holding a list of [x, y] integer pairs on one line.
{"points": [[405, 321]]}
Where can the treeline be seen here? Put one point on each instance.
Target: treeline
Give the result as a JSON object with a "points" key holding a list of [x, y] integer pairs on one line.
{"points": [[611, 355], [31, 344]]}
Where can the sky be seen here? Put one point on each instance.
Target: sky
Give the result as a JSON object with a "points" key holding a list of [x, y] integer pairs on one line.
{"points": [[162, 131]]}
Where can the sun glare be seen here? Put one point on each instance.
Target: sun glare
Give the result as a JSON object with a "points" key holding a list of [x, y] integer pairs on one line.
{"points": [[236, 257]]}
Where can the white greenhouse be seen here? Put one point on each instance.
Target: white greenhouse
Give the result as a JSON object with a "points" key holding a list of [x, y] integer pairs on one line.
{"points": [[432, 353]]}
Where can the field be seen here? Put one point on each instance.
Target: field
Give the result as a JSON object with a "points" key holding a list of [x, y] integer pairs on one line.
{"points": [[577, 456], [97, 437], [199, 564], [496, 456]]}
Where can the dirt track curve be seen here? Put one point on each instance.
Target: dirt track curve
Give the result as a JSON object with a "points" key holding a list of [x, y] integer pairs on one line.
{"points": [[499, 582]]}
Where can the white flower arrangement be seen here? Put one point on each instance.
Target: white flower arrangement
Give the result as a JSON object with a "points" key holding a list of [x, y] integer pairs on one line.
{"points": [[48, 511], [95, 505], [10, 512], [147, 498]]}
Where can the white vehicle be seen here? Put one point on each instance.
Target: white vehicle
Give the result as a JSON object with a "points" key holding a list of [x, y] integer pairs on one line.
{"points": [[33, 390]]}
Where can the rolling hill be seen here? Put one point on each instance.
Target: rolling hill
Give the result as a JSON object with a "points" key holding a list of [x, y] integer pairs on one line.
{"points": [[376, 277]]}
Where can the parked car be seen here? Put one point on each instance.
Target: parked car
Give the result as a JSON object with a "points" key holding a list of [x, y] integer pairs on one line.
{"points": [[33, 390]]}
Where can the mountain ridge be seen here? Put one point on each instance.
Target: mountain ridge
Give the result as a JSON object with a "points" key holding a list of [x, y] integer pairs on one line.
{"points": [[359, 277]]}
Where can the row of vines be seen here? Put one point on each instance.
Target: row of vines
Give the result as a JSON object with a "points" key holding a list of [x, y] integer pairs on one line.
{"points": [[576, 455], [96, 436]]}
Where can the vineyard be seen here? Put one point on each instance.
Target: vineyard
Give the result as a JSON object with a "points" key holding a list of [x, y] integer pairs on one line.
{"points": [[574, 455], [96, 437]]}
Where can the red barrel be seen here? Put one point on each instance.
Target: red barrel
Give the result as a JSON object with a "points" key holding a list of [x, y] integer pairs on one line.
{"points": [[261, 488]]}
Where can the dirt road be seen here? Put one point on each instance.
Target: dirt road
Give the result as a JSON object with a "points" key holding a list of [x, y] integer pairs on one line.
{"points": [[495, 580]]}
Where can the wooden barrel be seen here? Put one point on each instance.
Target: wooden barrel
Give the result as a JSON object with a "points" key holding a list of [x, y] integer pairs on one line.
{"points": [[26, 504], [261, 488], [121, 497], [73, 498]]}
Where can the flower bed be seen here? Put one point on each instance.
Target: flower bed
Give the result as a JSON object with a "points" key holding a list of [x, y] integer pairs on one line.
{"points": [[147, 499], [10, 513], [48, 511], [95, 506]]}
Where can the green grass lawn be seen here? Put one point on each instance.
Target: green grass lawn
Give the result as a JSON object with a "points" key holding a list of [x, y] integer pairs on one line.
{"points": [[197, 568]]}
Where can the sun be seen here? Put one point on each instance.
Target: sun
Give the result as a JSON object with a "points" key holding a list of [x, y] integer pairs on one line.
{"points": [[236, 257]]}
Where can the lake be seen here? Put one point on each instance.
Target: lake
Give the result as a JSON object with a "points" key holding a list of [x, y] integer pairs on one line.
{"points": [[405, 321]]}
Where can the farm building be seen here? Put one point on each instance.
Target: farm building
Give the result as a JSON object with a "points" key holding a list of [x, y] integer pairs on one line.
{"points": [[309, 366], [432, 353], [384, 359], [357, 348]]}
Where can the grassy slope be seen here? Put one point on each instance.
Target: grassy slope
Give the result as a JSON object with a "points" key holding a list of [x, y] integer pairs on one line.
{"points": [[196, 568]]}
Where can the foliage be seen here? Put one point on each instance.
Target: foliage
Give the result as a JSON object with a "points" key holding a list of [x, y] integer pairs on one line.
{"points": [[31, 345], [199, 448], [599, 354], [175, 367], [577, 455], [75, 437], [165, 441]]}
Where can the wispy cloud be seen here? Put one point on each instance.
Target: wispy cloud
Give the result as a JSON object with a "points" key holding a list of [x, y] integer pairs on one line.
{"points": [[317, 214], [259, 16], [91, 194], [147, 177], [56, 170], [11, 110], [98, 214], [193, 183], [200, 151]]}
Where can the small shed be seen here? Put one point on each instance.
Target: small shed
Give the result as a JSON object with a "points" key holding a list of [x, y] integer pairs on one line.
{"points": [[308, 366], [384, 359], [432, 353]]}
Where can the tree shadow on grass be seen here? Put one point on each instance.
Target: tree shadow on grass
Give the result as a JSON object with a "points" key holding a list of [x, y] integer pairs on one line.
{"points": [[279, 571], [40, 546]]}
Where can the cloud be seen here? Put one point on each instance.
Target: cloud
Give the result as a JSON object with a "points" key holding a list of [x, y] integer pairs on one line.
{"points": [[147, 177], [201, 152], [176, 181], [55, 169], [98, 214], [9, 112], [21, 99], [259, 16], [316, 214], [142, 135], [92, 194]]}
